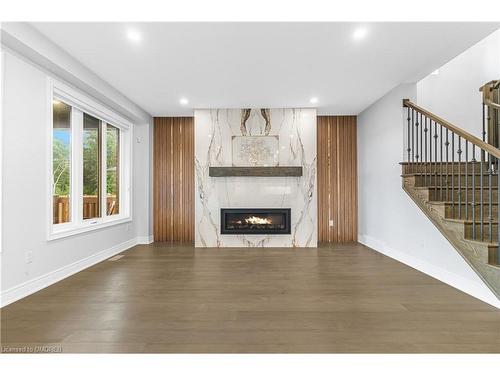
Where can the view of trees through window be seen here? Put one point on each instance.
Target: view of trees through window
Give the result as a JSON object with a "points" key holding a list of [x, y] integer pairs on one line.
{"points": [[112, 168], [91, 167], [61, 161]]}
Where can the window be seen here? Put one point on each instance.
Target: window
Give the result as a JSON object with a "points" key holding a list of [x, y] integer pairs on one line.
{"points": [[90, 166], [61, 161], [92, 144], [112, 170]]}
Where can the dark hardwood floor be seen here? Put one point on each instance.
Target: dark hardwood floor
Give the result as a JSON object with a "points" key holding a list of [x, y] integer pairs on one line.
{"points": [[168, 298]]}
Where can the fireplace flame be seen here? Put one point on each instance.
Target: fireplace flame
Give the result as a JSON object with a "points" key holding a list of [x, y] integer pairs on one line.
{"points": [[258, 220]]}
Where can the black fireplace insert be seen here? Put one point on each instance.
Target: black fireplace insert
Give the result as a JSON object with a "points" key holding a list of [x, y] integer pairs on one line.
{"points": [[255, 221]]}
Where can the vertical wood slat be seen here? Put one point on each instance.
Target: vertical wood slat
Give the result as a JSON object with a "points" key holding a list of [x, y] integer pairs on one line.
{"points": [[337, 178], [320, 177], [173, 174]]}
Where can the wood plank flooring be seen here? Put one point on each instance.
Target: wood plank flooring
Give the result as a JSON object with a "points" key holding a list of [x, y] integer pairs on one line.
{"points": [[169, 298]]}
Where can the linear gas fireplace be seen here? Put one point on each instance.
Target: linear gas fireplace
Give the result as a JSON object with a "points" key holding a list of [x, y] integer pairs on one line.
{"points": [[255, 221]]}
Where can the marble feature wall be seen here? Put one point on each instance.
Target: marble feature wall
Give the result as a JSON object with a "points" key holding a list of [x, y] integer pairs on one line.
{"points": [[296, 129]]}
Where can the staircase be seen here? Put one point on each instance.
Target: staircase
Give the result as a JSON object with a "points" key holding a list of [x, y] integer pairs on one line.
{"points": [[453, 177]]}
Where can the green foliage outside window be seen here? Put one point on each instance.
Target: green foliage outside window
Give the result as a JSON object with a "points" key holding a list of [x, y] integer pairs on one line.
{"points": [[61, 167], [61, 164], [90, 161], [112, 139]]}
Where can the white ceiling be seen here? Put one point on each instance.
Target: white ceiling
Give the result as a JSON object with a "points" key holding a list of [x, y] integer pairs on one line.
{"points": [[234, 65]]}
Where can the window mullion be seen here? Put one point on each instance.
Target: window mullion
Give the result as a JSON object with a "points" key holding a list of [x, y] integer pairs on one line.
{"points": [[124, 186], [104, 195], [77, 166]]}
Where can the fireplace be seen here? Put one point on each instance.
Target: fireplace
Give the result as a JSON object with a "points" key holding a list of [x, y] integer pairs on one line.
{"points": [[255, 221]]}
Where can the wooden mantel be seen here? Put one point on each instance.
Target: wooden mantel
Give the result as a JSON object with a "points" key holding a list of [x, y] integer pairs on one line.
{"points": [[285, 171]]}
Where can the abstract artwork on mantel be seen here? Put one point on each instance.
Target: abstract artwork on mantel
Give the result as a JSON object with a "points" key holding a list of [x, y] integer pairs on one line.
{"points": [[253, 151], [255, 137]]}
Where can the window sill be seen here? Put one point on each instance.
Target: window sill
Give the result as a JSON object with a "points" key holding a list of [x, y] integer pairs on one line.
{"points": [[85, 228]]}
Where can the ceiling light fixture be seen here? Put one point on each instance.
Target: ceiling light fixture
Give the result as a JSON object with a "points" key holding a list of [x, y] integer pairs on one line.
{"points": [[435, 73], [313, 100], [183, 101], [360, 33], [134, 36]]}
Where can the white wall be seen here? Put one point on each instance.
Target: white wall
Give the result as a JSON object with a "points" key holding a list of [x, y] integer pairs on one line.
{"points": [[389, 221], [24, 185], [453, 94]]}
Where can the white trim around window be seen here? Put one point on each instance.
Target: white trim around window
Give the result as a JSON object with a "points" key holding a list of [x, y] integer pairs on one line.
{"points": [[80, 104]]}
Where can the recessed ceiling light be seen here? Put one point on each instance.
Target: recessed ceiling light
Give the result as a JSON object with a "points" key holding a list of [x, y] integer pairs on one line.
{"points": [[134, 35], [183, 101], [313, 100], [360, 33]]}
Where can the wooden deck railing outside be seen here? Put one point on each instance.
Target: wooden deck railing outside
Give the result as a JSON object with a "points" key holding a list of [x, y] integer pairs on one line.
{"points": [[90, 209]]}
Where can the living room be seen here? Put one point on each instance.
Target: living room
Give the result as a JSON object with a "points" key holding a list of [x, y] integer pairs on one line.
{"points": [[250, 187]]}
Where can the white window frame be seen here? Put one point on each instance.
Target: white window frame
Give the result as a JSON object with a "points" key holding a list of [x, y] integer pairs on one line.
{"points": [[81, 103]]}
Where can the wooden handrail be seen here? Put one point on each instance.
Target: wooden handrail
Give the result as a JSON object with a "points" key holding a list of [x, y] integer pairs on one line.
{"points": [[494, 84], [488, 94], [455, 129], [491, 104]]}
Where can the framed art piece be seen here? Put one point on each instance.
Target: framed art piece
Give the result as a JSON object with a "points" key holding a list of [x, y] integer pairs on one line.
{"points": [[253, 151]]}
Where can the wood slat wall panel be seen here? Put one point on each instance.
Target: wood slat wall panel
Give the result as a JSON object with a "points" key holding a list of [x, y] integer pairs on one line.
{"points": [[173, 174], [337, 178]]}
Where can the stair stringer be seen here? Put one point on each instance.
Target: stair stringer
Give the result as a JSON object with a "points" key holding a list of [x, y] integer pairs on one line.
{"points": [[475, 254]]}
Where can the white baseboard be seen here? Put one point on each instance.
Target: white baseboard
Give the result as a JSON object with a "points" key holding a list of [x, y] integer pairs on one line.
{"points": [[145, 240], [432, 270], [29, 287]]}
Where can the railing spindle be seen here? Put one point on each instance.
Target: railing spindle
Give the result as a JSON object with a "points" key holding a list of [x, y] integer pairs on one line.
{"points": [[426, 160], [490, 200], [481, 197], [483, 133], [408, 149], [453, 174], [473, 204], [435, 158], [466, 180], [459, 192], [441, 163], [498, 219], [416, 143], [413, 139], [421, 143], [447, 144]]}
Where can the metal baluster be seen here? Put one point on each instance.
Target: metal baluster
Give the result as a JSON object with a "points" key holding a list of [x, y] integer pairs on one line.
{"points": [[408, 149], [426, 160], [441, 163], [413, 139], [421, 142], [459, 152], [418, 167], [466, 180], [481, 167], [473, 204], [484, 125], [447, 144], [490, 200], [453, 173], [498, 218], [435, 158]]}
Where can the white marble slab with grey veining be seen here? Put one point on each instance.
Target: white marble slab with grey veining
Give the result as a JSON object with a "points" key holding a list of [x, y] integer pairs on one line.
{"points": [[296, 129]]}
